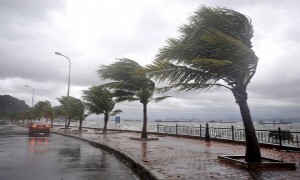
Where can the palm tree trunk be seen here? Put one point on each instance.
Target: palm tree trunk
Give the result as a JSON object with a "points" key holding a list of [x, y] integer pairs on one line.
{"points": [[68, 123], [144, 131], [52, 122], [252, 146], [80, 124], [106, 117]]}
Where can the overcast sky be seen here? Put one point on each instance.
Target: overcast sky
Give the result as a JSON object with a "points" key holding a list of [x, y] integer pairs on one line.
{"points": [[94, 32]]}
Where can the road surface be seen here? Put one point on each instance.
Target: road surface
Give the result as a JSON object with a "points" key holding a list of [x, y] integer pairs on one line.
{"points": [[55, 158]]}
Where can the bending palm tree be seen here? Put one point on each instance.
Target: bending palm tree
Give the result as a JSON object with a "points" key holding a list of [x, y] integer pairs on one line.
{"points": [[130, 84], [42, 108], [73, 108], [214, 50], [100, 101]]}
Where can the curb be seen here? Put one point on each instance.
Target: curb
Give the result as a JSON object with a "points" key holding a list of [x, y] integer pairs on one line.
{"points": [[136, 167]]}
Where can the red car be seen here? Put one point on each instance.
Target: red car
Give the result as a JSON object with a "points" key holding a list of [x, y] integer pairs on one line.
{"points": [[38, 128]]}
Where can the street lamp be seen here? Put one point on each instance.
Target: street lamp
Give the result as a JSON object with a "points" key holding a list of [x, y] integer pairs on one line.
{"points": [[32, 94], [57, 53]]}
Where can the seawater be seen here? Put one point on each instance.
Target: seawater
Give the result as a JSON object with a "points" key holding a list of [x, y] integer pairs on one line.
{"points": [[152, 126]]}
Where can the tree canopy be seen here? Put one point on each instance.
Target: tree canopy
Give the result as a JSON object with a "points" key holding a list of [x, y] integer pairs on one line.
{"points": [[214, 47]]}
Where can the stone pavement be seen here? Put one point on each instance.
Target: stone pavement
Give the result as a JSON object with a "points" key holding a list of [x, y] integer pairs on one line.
{"points": [[182, 158]]}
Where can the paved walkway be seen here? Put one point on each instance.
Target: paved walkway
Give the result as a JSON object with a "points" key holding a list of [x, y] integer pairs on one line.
{"points": [[182, 158]]}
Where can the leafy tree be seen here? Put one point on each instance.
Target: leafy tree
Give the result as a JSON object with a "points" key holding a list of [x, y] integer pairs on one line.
{"points": [[99, 100], [48, 111], [57, 111], [25, 115], [42, 109], [74, 109], [214, 50], [130, 84]]}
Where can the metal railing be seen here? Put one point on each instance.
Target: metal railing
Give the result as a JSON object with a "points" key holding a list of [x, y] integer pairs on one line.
{"points": [[279, 137]]}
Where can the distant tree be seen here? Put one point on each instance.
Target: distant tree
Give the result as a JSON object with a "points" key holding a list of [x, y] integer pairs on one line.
{"points": [[25, 115], [74, 110], [99, 100], [42, 109], [57, 111], [130, 84], [214, 50]]}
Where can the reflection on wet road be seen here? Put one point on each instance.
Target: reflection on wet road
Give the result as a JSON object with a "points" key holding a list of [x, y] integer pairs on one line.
{"points": [[56, 157]]}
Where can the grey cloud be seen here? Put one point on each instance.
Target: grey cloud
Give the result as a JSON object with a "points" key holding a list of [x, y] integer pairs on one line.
{"points": [[17, 17], [30, 34]]}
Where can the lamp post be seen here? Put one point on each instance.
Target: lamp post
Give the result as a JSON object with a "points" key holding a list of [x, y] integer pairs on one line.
{"points": [[32, 94], [32, 101], [68, 92]]}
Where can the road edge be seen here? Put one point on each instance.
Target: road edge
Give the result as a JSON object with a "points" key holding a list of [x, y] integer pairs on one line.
{"points": [[136, 167]]}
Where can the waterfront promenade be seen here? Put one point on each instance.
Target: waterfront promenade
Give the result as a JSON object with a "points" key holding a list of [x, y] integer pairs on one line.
{"points": [[183, 158]]}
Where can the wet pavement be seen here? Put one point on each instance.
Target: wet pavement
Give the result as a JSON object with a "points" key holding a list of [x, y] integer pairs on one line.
{"points": [[55, 158], [182, 158]]}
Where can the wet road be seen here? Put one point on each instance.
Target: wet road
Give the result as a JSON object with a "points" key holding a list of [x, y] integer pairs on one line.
{"points": [[55, 157]]}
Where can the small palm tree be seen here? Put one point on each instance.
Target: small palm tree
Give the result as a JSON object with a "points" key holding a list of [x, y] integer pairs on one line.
{"points": [[130, 84], [214, 50], [42, 108], [74, 109], [57, 111], [99, 100]]}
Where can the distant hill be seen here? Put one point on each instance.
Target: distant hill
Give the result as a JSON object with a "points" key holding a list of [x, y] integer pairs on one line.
{"points": [[12, 104]]}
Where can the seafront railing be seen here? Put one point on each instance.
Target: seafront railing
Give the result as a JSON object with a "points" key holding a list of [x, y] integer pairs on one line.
{"points": [[278, 137]]}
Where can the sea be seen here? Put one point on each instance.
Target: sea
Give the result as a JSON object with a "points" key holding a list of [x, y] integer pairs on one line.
{"points": [[137, 125]]}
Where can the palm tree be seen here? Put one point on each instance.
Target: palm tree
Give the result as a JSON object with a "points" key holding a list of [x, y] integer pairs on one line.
{"points": [[42, 108], [74, 110], [130, 84], [99, 100], [81, 120], [214, 50], [57, 111], [47, 111]]}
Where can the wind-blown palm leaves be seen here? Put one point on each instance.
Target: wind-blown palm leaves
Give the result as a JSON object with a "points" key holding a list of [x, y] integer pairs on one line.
{"points": [[214, 50], [74, 109], [42, 109], [130, 84], [99, 100]]}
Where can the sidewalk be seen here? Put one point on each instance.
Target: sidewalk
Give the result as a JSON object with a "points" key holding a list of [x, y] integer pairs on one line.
{"points": [[182, 158]]}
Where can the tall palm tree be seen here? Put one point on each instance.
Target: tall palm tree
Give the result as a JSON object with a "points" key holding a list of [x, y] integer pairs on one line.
{"points": [[214, 50], [130, 84], [99, 100]]}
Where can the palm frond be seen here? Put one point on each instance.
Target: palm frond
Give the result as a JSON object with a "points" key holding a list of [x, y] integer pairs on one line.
{"points": [[98, 99], [130, 81], [166, 71], [215, 45], [115, 112], [164, 89], [158, 99]]}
